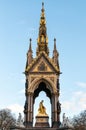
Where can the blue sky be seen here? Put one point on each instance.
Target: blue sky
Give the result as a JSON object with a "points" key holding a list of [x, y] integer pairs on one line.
{"points": [[66, 21]]}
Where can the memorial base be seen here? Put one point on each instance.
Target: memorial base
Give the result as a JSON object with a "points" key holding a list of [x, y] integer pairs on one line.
{"points": [[39, 128], [42, 121]]}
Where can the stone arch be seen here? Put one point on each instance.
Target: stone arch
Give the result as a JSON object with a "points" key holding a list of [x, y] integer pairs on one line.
{"points": [[48, 82], [33, 91], [42, 85]]}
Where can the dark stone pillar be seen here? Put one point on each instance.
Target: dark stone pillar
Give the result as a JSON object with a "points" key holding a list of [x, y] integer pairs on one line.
{"points": [[28, 111], [55, 111]]}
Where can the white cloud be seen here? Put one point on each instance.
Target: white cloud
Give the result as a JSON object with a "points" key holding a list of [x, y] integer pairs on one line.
{"points": [[81, 84], [80, 98], [67, 105], [75, 104], [16, 109]]}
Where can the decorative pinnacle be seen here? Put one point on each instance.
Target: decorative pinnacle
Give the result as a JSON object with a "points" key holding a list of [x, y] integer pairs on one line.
{"points": [[54, 43], [30, 48]]}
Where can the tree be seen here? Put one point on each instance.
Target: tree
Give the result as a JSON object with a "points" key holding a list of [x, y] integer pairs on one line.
{"points": [[6, 119], [79, 122]]}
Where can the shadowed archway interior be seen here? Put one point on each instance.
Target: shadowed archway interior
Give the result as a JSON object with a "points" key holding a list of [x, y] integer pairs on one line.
{"points": [[42, 87]]}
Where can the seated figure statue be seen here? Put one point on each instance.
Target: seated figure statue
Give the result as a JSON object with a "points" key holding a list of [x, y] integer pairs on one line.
{"points": [[42, 109], [66, 122]]}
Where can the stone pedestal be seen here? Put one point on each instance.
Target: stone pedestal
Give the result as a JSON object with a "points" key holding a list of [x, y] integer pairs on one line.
{"points": [[42, 121]]}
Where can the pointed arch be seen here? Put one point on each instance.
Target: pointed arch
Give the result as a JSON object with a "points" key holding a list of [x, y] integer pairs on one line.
{"points": [[49, 85]]}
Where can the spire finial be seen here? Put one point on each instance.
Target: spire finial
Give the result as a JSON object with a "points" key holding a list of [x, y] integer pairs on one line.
{"points": [[55, 40], [30, 40], [42, 5]]}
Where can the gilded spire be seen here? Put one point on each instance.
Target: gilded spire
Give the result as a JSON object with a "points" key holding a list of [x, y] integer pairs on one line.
{"points": [[42, 20], [42, 37]]}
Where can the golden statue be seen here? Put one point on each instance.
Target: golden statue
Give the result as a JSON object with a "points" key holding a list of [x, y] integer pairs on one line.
{"points": [[42, 109], [42, 38]]}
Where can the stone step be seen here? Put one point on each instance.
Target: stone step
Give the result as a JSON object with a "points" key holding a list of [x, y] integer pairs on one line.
{"points": [[35, 128]]}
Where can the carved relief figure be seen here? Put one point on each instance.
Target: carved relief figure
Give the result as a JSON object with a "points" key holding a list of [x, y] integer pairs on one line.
{"points": [[58, 107], [42, 38]]}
